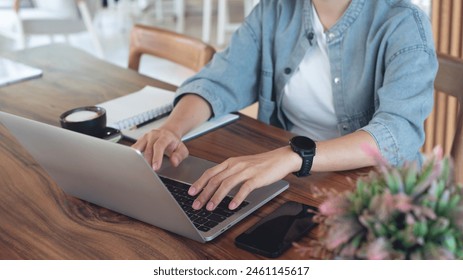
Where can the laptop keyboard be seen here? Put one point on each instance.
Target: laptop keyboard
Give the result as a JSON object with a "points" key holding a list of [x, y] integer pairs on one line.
{"points": [[203, 219]]}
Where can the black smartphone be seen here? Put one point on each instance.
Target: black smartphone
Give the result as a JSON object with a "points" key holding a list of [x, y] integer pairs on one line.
{"points": [[275, 233], [112, 134]]}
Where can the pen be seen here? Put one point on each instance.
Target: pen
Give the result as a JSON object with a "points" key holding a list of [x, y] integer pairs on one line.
{"points": [[150, 120]]}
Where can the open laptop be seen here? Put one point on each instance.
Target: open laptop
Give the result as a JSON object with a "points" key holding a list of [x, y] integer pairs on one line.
{"points": [[117, 177]]}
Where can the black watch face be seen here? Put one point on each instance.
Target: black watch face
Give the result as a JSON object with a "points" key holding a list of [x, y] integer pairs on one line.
{"points": [[303, 142]]}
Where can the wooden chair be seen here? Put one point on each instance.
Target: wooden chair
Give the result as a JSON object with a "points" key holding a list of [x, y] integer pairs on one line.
{"points": [[449, 80], [181, 49]]}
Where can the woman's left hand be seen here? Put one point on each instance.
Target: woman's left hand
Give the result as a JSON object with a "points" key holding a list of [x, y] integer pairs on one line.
{"points": [[252, 172]]}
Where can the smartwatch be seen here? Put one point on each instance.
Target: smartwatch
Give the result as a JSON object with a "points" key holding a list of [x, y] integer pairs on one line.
{"points": [[305, 148]]}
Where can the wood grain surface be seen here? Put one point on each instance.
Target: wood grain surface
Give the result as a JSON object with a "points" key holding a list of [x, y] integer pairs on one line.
{"points": [[39, 221]]}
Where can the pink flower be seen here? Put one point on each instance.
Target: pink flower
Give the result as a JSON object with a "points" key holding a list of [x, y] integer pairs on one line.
{"points": [[341, 232], [335, 205], [403, 203]]}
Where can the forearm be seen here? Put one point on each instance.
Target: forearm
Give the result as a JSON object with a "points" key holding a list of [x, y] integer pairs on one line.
{"points": [[259, 170], [343, 153], [190, 111]]}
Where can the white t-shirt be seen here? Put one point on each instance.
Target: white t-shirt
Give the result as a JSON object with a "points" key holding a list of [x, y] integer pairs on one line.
{"points": [[308, 97]]}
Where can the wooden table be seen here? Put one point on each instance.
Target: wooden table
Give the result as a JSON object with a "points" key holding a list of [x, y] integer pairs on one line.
{"points": [[39, 221]]}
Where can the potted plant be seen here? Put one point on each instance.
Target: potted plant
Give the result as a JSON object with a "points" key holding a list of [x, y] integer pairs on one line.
{"points": [[401, 212]]}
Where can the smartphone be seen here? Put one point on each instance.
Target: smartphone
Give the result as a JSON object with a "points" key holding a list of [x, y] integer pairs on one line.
{"points": [[275, 233], [112, 134]]}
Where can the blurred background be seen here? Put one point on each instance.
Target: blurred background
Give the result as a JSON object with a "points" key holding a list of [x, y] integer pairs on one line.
{"points": [[111, 22], [108, 36]]}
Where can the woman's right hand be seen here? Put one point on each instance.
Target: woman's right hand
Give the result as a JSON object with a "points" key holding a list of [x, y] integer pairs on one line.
{"points": [[157, 143], [189, 112]]}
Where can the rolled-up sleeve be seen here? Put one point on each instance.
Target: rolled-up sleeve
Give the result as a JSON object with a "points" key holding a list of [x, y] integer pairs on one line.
{"points": [[229, 81], [403, 103]]}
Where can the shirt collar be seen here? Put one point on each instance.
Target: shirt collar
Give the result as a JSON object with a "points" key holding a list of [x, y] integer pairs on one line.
{"points": [[348, 18]]}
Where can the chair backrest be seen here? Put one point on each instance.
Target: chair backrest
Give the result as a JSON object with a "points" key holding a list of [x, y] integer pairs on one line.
{"points": [[178, 48], [63, 17], [65, 8], [449, 80]]}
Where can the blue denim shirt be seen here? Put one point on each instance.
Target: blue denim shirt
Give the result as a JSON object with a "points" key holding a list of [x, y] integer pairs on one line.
{"points": [[382, 59]]}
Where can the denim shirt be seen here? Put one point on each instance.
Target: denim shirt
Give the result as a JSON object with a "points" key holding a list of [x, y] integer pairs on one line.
{"points": [[382, 61]]}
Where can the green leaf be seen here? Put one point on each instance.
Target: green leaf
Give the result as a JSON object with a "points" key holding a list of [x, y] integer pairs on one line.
{"points": [[450, 243], [424, 179], [405, 238], [380, 229], [454, 200], [442, 204], [394, 181], [446, 170], [356, 241], [440, 188], [410, 179], [438, 227], [420, 228]]}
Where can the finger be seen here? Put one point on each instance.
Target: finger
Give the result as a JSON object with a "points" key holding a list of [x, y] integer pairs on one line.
{"points": [[224, 189], [159, 147], [197, 186], [140, 144], [205, 186], [244, 191], [231, 174], [179, 154], [143, 145], [170, 149]]}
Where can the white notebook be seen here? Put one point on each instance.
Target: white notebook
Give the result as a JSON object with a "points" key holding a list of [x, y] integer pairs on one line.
{"points": [[130, 110], [137, 113], [13, 72]]}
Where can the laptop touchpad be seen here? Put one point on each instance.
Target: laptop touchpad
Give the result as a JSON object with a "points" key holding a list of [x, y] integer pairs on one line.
{"points": [[188, 171]]}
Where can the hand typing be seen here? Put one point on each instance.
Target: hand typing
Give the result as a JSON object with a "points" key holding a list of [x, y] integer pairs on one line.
{"points": [[251, 172], [157, 143]]}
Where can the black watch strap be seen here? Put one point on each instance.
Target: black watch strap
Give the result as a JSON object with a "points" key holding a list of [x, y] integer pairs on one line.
{"points": [[305, 148], [305, 168]]}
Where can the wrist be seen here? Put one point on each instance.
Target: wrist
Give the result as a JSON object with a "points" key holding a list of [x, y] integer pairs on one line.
{"points": [[294, 161], [172, 128], [305, 148]]}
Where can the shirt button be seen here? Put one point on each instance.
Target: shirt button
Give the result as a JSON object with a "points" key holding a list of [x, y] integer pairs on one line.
{"points": [[287, 70], [344, 127], [331, 36], [337, 80]]}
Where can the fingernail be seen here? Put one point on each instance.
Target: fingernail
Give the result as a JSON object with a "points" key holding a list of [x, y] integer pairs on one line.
{"points": [[196, 205], [192, 191], [155, 165], [210, 206], [232, 205]]}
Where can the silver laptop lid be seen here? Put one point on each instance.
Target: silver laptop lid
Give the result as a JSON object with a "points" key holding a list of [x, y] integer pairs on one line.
{"points": [[107, 174]]}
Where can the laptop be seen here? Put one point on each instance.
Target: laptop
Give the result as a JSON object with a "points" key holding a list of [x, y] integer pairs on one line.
{"points": [[118, 177]]}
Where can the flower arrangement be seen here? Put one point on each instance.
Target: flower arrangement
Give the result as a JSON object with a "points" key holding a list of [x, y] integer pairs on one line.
{"points": [[396, 213]]}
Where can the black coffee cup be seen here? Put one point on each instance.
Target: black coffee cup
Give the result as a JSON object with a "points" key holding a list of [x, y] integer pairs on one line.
{"points": [[90, 120]]}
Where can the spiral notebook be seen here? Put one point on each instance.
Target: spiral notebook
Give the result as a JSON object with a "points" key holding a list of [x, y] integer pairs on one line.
{"points": [[137, 113], [129, 111]]}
